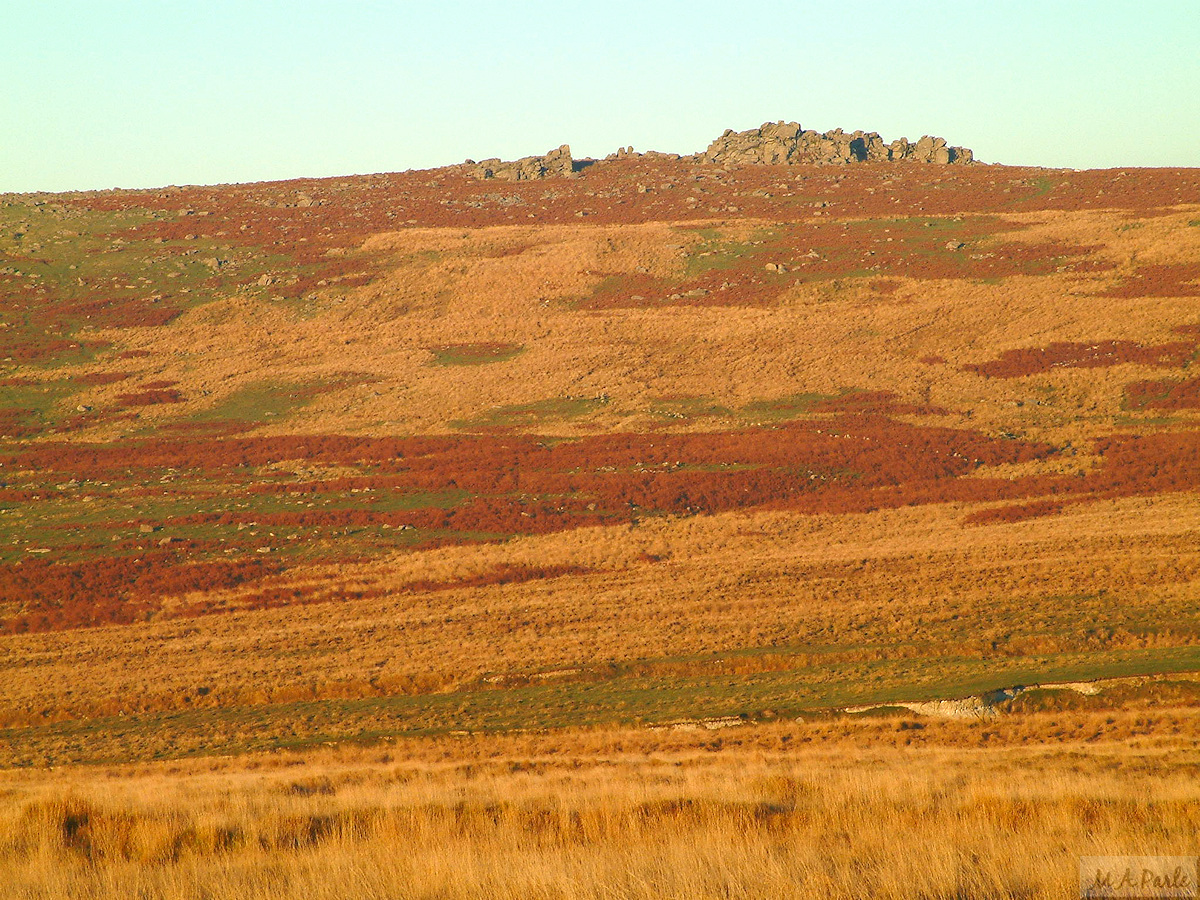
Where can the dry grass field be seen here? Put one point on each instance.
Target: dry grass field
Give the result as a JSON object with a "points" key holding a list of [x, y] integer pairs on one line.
{"points": [[891, 807], [405, 534]]}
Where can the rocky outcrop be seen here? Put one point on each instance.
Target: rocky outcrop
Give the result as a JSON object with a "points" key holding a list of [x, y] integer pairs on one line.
{"points": [[775, 143], [786, 143], [555, 163]]}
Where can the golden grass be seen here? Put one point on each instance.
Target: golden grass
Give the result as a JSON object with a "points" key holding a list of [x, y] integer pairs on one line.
{"points": [[791, 811]]}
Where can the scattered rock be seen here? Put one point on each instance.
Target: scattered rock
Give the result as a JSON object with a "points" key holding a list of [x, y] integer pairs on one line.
{"points": [[714, 723]]}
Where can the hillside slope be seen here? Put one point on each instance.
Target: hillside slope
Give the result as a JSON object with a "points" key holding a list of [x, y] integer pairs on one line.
{"points": [[422, 452]]}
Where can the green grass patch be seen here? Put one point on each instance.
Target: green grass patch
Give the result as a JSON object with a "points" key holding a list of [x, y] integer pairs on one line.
{"points": [[474, 354], [66, 268], [79, 520], [532, 415], [914, 225], [1148, 421], [268, 400], [689, 408], [61, 286], [626, 289], [1041, 187], [718, 252], [30, 408], [785, 408]]}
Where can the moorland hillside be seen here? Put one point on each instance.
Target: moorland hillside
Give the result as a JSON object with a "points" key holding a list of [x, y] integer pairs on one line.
{"points": [[638, 438]]}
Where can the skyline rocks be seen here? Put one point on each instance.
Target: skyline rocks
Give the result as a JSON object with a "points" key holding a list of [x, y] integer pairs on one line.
{"points": [[772, 143], [786, 143]]}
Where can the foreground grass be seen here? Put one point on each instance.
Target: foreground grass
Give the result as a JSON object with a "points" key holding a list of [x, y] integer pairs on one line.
{"points": [[817, 810]]}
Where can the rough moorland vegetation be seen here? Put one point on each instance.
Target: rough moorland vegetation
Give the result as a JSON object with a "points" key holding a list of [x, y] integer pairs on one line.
{"points": [[777, 438]]}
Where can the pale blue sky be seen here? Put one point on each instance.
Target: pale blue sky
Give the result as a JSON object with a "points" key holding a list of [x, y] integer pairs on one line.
{"points": [[135, 94]]}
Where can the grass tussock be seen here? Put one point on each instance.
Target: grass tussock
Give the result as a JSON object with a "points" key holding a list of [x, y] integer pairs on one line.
{"points": [[564, 819]]}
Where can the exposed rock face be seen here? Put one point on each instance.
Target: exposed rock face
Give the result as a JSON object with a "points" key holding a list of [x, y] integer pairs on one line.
{"points": [[786, 143], [555, 163]]}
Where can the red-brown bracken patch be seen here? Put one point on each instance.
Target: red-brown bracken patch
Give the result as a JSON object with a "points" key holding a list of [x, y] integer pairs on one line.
{"points": [[1163, 394], [1136, 465], [877, 403], [98, 378], [455, 489], [23, 349], [54, 596], [17, 423], [502, 574], [1170, 280], [1015, 513], [272, 597], [1068, 355], [151, 398]]}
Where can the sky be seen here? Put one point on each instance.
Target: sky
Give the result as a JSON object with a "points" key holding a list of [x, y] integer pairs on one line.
{"points": [[106, 94]]}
